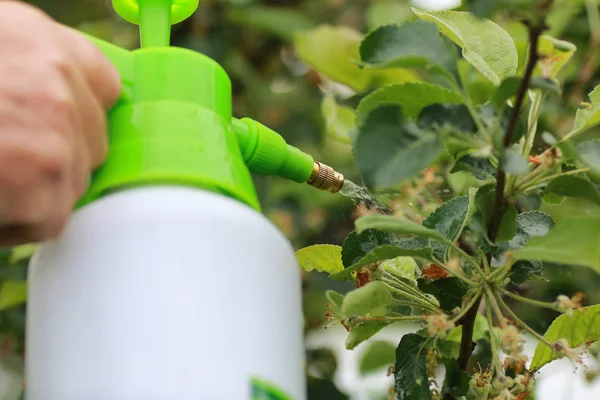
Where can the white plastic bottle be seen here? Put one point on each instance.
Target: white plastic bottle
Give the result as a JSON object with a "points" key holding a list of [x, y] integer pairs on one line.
{"points": [[166, 293]]}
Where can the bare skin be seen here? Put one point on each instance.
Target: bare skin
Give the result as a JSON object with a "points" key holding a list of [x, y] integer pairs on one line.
{"points": [[55, 89]]}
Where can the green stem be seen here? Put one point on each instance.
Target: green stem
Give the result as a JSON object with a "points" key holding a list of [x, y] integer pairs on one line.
{"points": [[533, 302], [396, 282], [532, 122], [470, 259], [495, 359], [494, 304], [392, 319], [496, 274], [467, 307], [521, 323], [419, 302], [486, 266], [531, 185]]}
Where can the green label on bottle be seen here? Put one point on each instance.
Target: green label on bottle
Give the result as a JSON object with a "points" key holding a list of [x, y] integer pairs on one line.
{"points": [[261, 390]]}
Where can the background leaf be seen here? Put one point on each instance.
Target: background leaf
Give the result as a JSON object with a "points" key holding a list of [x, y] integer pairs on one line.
{"points": [[321, 257], [12, 294], [378, 355], [339, 120], [581, 326], [333, 51], [411, 96], [589, 152], [421, 46], [573, 186], [554, 54], [485, 45], [389, 149], [588, 115], [514, 163], [575, 241], [280, 22]]}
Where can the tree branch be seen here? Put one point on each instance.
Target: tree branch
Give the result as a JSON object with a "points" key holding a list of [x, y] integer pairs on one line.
{"points": [[499, 200], [500, 204]]}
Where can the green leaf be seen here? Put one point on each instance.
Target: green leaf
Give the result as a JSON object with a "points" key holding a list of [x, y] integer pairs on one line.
{"points": [[339, 120], [386, 12], [588, 114], [508, 224], [456, 383], [392, 224], [481, 8], [276, 20], [12, 294], [545, 85], [507, 89], [402, 268], [450, 219], [449, 292], [521, 271], [410, 374], [384, 252], [450, 345], [510, 86], [581, 326], [374, 298], [335, 302], [484, 200], [574, 241], [413, 44], [480, 167], [514, 163], [530, 225], [359, 334], [378, 355], [322, 257], [22, 252], [589, 152], [411, 96], [453, 117], [485, 45], [573, 186], [333, 51], [356, 246], [389, 149], [553, 55]]}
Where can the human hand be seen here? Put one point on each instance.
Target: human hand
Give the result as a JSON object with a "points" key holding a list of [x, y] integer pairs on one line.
{"points": [[55, 89]]}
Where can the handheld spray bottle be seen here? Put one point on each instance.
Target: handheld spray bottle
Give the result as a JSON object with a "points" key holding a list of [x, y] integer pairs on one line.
{"points": [[168, 283]]}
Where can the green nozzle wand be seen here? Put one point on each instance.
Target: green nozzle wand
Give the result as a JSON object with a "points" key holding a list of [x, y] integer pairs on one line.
{"points": [[266, 152]]}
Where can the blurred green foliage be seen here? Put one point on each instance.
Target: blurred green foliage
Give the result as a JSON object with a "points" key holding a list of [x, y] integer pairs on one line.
{"points": [[259, 43]]}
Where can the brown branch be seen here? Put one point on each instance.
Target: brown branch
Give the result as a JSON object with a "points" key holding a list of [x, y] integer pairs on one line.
{"points": [[500, 204], [499, 200], [586, 73]]}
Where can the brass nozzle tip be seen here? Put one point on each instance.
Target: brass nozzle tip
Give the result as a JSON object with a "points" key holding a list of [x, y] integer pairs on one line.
{"points": [[325, 178]]}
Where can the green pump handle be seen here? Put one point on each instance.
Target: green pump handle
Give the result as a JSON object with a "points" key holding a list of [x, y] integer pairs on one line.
{"points": [[173, 120]]}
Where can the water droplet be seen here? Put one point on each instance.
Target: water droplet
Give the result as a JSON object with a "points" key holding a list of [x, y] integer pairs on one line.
{"points": [[360, 195]]}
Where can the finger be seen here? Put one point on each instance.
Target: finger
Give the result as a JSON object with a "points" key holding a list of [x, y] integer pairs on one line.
{"points": [[101, 75], [90, 138]]}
